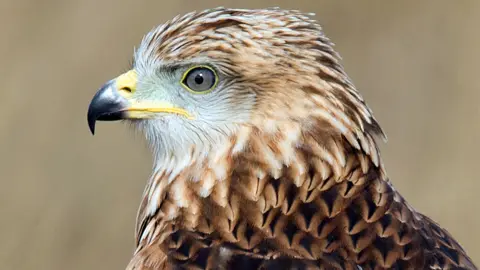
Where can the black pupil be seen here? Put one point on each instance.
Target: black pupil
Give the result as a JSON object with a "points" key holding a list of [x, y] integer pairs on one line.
{"points": [[199, 78]]}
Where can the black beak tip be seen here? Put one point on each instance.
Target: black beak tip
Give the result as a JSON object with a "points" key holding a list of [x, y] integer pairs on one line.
{"points": [[103, 112], [106, 105], [91, 126], [92, 119]]}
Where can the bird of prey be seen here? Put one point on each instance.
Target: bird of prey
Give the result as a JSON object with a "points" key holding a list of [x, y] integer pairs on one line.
{"points": [[265, 154]]}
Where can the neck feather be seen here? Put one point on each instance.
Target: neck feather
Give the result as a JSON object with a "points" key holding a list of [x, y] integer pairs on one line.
{"points": [[294, 151]]}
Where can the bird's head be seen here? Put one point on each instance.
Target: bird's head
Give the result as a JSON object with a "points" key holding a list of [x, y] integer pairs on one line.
{"points": [[200, 80]]}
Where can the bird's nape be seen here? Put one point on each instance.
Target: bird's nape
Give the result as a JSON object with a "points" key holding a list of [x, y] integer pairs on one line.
{"points": [[266, 155]]}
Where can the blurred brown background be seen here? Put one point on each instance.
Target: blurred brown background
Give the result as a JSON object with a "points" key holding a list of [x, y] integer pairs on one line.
{"points": [[68, 200]]}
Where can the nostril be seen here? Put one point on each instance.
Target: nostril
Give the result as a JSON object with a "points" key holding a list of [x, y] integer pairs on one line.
{"points": [[126, 88]]}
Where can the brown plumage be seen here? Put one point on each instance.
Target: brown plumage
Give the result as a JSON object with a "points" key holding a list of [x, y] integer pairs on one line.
{"points": [[277, 167]]}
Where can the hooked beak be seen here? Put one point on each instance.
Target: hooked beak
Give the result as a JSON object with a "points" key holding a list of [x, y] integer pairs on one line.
{"points": [[114, 101]]}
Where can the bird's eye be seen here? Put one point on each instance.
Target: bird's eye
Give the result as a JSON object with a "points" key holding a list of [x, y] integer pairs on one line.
{"points": [[200, 79]]}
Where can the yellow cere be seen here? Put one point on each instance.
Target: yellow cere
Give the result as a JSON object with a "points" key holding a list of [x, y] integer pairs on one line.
{"points": [[126, 85], [127, 82]]}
